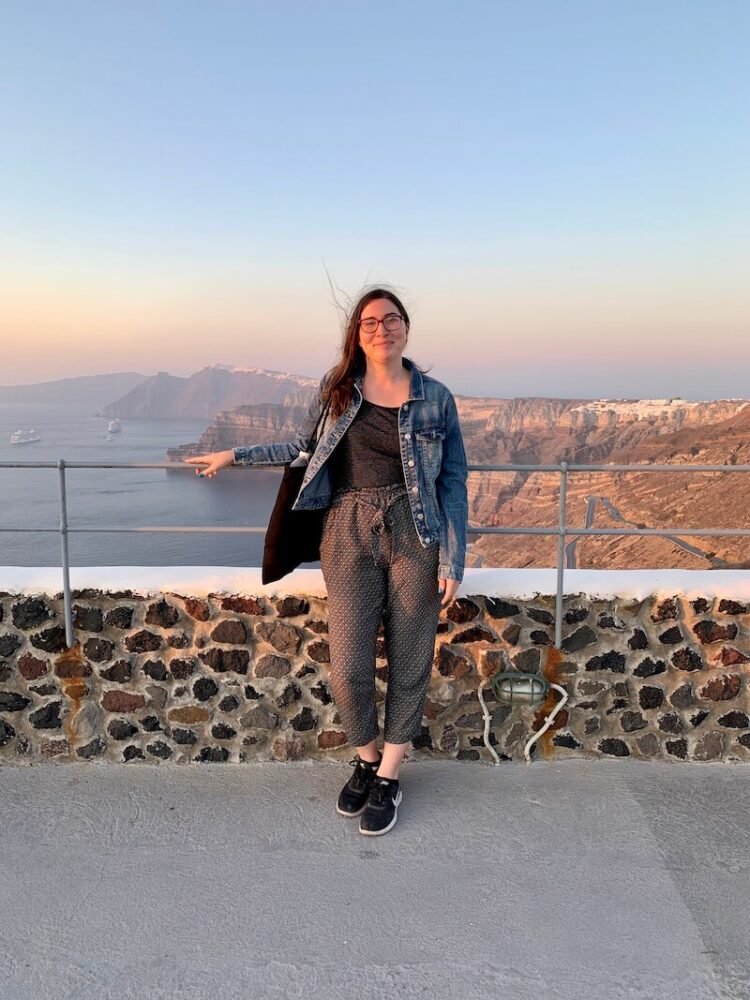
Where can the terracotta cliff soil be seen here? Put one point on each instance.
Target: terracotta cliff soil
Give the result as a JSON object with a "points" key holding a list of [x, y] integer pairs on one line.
{"points": [[654, 499]]}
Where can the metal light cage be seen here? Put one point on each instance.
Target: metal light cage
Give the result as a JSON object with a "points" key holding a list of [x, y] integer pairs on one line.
{"points": [[513, 686]]}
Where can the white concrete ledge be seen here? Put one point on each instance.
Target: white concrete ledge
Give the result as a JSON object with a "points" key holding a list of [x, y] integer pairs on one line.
{"points": [[519, 583]]}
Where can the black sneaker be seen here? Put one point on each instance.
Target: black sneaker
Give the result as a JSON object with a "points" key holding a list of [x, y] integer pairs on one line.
{"points": [[353, 796], [381, 811]]}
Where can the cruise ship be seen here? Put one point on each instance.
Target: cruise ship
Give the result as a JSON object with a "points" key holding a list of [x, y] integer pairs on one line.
{"points": [[24, 435]]}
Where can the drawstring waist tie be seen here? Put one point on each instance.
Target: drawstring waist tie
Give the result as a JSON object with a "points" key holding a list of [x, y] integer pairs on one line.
{"points": [[380, 498]]}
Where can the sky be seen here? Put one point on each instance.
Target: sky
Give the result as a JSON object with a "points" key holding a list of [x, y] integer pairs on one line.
{"points": [[559, 189]]}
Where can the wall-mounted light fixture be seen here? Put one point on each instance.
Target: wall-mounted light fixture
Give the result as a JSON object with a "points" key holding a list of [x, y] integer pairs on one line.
{"points": [[512, 686], [515, 687]]}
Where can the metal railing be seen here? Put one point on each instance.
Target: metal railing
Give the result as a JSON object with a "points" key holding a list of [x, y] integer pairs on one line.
{"points": [[562, 531]]}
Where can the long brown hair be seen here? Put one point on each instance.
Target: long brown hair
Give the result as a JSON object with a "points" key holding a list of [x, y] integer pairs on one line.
{"points": [[339, 387]]}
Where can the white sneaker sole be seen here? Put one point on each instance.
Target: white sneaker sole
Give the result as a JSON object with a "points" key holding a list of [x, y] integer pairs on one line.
{"points": [[378, 833]]}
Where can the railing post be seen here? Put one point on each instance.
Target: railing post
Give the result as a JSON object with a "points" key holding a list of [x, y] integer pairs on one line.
{"points": [[561, 554], [65, 557]]}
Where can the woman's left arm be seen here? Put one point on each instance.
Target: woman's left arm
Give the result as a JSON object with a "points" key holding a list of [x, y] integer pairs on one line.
{"points": [[452, 497]]}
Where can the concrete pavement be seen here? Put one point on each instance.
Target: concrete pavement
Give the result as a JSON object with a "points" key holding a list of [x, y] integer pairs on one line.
{"points": [[575, 879]]}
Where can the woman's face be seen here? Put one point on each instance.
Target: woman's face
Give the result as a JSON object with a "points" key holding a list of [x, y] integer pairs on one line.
{"points": [[381, 343]]}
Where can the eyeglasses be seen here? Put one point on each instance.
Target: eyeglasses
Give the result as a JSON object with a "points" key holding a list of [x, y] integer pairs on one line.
{"points": [[391, 322]]}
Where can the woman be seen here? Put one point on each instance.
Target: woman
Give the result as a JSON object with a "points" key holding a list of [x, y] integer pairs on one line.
{"points": [[390, 468]]}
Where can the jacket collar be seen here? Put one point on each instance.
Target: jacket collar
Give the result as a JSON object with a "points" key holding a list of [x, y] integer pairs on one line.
{"points": [[416, 385]]}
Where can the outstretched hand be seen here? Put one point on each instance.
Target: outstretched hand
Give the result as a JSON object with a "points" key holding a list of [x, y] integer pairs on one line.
{"points": [[215, 461], [448, 588]]}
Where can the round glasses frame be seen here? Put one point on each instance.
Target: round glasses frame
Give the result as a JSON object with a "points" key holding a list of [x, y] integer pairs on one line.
{"points": [[391, 323]]}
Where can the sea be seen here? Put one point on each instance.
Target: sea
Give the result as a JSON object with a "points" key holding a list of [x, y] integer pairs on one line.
{"points": [[123, 498]]}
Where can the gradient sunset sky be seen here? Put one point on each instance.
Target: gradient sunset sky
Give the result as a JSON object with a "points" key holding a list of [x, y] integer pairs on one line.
{"points": [[560, 190]]}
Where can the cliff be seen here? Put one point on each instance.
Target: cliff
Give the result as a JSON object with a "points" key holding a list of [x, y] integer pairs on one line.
{"points": [[214, 388], [244, 425], [629, 432], [539, 430]]}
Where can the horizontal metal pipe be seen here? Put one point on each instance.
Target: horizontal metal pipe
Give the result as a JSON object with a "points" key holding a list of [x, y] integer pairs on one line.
{"points": [[611, 531], [146, 528], [609, 468], [505, 467], [517, 530], [116, 465], [212, 529], [635, 467]]}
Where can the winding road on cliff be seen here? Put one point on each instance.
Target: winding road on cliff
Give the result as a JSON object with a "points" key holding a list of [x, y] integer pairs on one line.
{"points": [[591, 502]]}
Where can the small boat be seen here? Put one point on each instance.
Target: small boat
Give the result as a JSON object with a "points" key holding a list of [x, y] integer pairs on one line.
{"points": [[114, 426], [24, 435]]}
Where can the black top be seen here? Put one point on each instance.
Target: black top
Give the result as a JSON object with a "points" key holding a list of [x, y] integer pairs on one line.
{"points": [[368, 454]]}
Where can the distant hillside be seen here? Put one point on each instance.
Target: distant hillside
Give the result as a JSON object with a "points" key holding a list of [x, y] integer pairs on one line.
{"points": [[210, 391], [93, 391], [539, 429]]}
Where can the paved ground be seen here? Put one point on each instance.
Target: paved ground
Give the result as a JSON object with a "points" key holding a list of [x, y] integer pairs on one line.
{"points": [[580, 879]]}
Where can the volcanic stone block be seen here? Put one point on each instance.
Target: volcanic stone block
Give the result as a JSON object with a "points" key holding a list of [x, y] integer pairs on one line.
{"points": [[582, 637], [227, 660], [272, 666], [722, 688], [710, 631], [51, 640], [162, 613], [88, 619], [30, 612], [142, 642], [231, 632]]}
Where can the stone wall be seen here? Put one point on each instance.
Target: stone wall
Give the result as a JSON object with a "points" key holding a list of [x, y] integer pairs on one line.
{"points": [[241, 678]]}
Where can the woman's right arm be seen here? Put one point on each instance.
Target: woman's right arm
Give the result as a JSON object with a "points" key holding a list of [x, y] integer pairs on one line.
{"points": [[275, 453]]}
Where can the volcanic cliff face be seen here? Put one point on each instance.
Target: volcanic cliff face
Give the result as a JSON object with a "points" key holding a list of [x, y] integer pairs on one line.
{"points": [[537, 430], [629, 432], [524, 431], [217, 387], [244, 425]]}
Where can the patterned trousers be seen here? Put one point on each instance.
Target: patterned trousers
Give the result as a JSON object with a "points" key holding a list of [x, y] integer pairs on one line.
{"points": [[375, 568]]}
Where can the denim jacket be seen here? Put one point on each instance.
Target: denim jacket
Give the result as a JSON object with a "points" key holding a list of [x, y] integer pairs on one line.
{"points": [[432, 456]]}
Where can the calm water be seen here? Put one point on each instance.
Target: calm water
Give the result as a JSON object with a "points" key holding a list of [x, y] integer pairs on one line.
{"points": [[123, 497]]}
